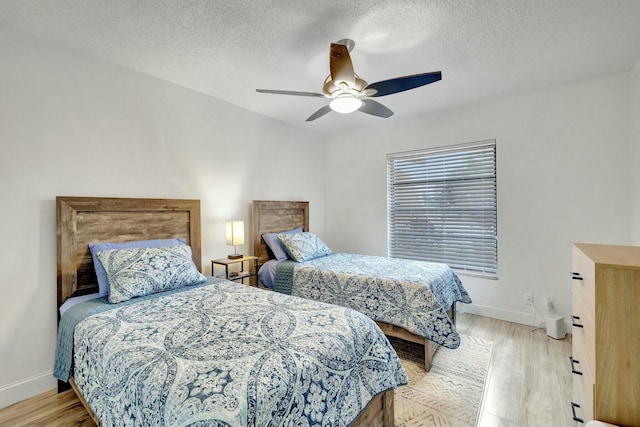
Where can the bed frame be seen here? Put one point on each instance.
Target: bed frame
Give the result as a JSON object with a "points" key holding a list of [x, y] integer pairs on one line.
{"points": [[82, 220], [274, 216]]}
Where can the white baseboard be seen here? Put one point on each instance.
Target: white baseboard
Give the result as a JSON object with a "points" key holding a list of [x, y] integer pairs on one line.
{"points": [[24, 389], [510, 316]]}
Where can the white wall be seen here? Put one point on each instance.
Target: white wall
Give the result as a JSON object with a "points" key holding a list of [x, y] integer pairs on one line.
{"points": [[635, 121], [75, 125], [564, 175]]}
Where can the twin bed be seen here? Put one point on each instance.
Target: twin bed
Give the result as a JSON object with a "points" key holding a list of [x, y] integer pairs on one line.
{"points": [[411, 300], [218, 352]]}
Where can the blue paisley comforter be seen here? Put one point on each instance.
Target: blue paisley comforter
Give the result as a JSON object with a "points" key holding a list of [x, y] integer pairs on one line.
{"points": [[229, 355], [413, 295]]}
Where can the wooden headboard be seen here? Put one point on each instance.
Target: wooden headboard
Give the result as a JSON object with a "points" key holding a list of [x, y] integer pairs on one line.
{"points": [[84, 220], [271, 217]]}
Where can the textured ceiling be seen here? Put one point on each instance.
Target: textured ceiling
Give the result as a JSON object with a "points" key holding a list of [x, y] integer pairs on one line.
{"points": [[227, 49]]}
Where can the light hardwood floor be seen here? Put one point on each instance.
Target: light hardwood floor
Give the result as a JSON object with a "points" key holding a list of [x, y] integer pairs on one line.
{"points": [[529, 382]]}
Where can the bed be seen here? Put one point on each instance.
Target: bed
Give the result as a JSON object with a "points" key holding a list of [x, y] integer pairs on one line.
{"points": [[412, 311], [214, 353]]}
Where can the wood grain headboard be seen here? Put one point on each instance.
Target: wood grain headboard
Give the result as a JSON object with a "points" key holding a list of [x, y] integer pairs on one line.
{"points": [[84, 220], [274, 216]]}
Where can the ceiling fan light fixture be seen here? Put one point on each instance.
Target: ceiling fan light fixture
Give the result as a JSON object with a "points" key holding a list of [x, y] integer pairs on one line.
{"points": [[345, 104], [346, 89]]}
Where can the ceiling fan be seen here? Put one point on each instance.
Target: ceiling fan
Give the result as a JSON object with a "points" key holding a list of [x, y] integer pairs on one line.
{"points": [[348, 92]]}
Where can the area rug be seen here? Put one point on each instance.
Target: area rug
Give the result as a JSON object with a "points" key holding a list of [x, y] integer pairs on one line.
{"points": [[451, 394]]}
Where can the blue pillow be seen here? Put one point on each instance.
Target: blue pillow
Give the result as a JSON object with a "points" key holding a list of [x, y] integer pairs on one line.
{"points": [[303, 246], [137, 272], [103, 282], [271, 239]]}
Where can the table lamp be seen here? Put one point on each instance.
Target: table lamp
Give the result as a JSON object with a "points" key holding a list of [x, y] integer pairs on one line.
{"points": [[235, 236]]}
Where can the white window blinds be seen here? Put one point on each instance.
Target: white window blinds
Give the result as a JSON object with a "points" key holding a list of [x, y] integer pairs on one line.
{"points": [[442, 206]]}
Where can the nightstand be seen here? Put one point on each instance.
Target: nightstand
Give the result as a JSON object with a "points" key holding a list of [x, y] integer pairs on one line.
{"points": [[242, 274]]}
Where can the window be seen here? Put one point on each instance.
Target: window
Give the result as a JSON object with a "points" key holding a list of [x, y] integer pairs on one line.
{"points": [[442, 206]]}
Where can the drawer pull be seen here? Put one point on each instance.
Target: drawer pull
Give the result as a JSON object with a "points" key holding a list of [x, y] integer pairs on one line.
{"points": [[574, 320], [576, 276], [573, 366], [573, 412]]}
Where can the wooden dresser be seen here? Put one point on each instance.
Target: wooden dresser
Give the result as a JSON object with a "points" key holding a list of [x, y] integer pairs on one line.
{"points": [[606, 334]]}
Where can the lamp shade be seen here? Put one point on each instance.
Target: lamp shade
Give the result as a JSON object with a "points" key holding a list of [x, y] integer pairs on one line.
{"points": [[235, 233]]}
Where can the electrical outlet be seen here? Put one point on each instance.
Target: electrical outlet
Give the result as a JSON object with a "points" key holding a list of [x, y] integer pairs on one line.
{"points": [[549, 302], [528, 298]]}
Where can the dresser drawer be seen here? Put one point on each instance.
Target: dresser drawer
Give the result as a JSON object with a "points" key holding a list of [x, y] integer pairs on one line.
{"points": [[584, 344], [583, 299], [583, 307], [583, 266], [584, 285], [582, 403], [583, 383], [582, 358]]}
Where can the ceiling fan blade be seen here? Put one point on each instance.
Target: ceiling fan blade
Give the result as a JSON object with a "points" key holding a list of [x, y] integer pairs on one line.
{"points": [[290, 92], [321, 112], [400, 84], [340, 65], [374, 108]]}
